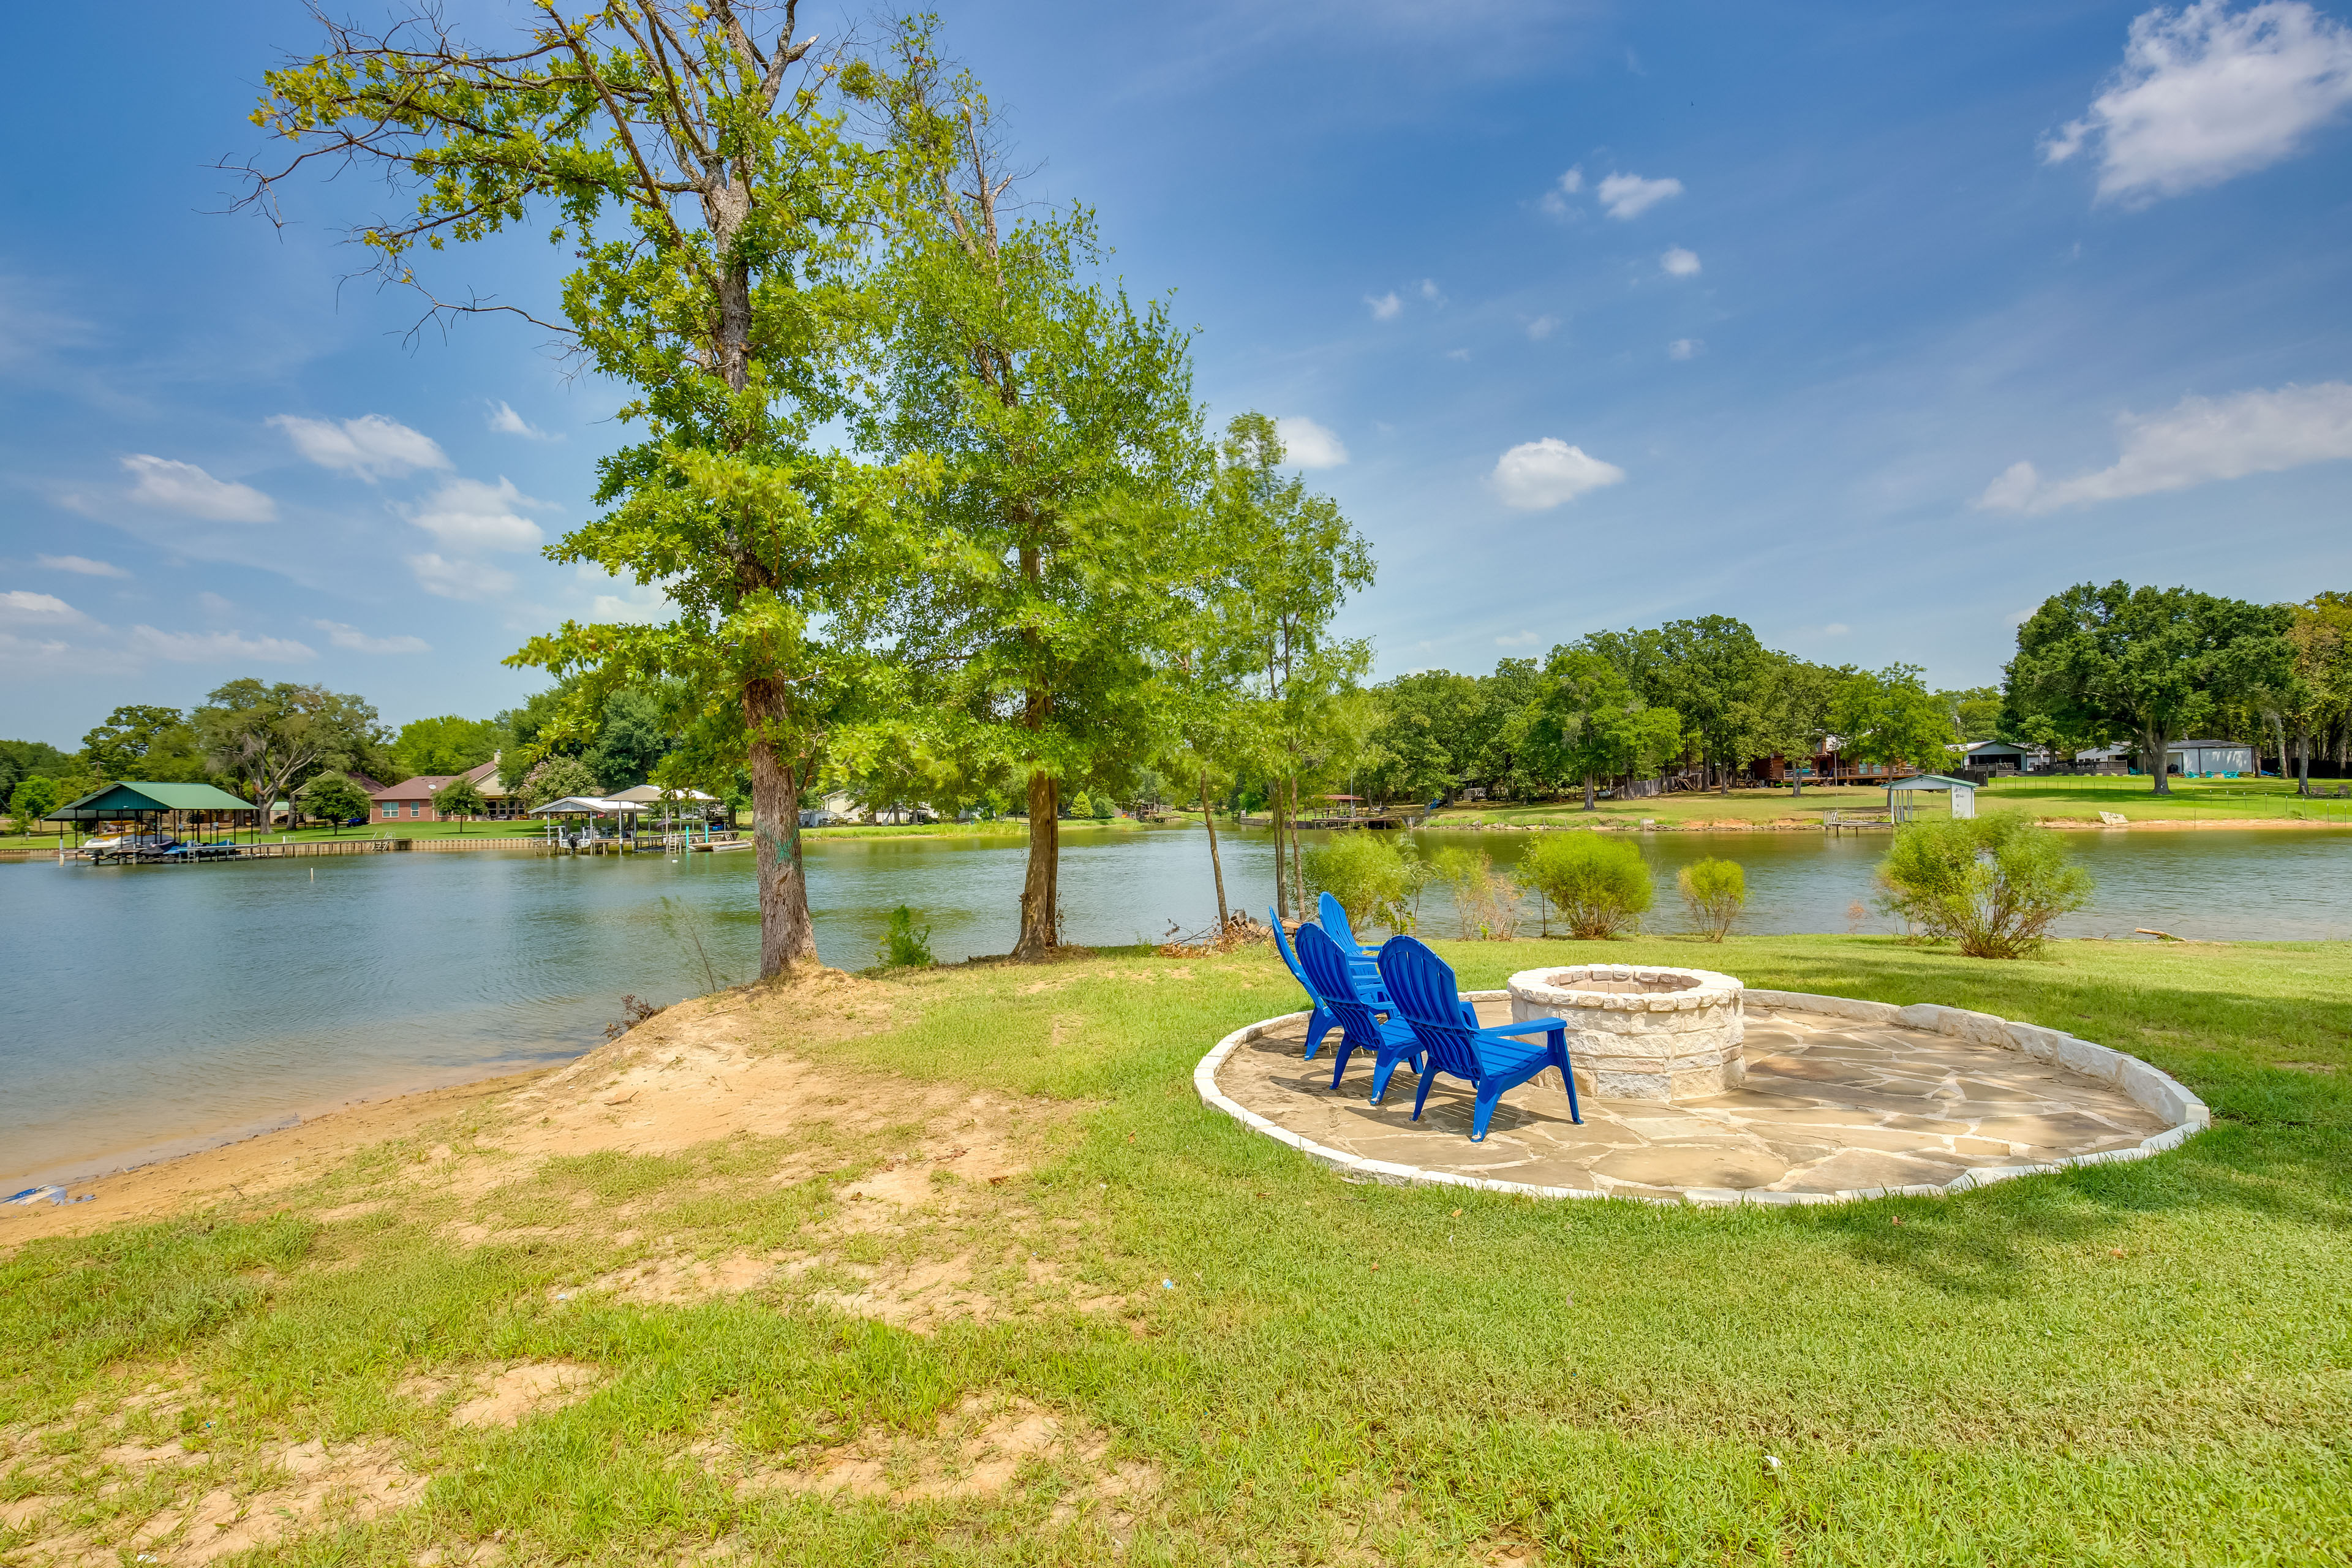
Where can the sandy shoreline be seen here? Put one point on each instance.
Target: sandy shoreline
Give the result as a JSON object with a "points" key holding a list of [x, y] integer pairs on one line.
{"points": [[252, 1166]]}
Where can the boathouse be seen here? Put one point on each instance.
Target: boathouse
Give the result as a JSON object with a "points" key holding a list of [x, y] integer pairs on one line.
{"points": [[177, 806]]}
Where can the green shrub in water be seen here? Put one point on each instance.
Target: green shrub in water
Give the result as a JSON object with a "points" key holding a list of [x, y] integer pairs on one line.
{"points": [[1600, 884], [904, 947], [1715, 890], [1373, 875], [1993, 884], [1484, 902]]}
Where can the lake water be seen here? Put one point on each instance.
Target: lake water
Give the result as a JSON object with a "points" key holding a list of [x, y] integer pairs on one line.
{"points": [[152, 1009]]}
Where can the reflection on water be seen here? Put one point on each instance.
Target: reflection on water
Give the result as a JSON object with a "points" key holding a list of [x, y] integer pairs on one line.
{"points": [[149, 1006]]}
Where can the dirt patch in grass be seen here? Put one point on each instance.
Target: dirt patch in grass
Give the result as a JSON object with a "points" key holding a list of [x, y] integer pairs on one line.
{"points": [[296, 1487], [977, 1450], [505, 1396], [674, 1280]]}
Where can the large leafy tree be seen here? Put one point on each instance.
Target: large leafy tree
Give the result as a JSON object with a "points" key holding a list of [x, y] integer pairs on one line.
{"points": [[2317, 686], [1890, 716], [447, 744], [1294, 560], [335, 798], [143, 741], [1589, 723], [1062, 414], [1713, 671], [2150, 663], [722, 222], [271, 737]]}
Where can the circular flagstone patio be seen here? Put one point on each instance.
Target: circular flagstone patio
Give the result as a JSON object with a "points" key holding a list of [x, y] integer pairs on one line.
{"points": [[1842, 1100]]}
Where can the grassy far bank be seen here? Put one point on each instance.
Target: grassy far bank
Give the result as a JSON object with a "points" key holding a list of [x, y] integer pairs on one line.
{"points": [[2053, 800], [1144, 1335]]}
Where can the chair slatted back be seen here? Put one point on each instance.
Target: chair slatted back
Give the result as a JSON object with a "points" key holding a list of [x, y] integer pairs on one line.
{"points": [[1421, 986], [1328, 971], [1289, 957], [1366, 969]]}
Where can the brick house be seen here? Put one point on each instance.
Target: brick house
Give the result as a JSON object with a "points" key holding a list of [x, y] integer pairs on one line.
{"points": [[411, 800]]}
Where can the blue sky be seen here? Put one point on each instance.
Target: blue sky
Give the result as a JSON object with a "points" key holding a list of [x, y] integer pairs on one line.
{"points": [[1872, 326]]}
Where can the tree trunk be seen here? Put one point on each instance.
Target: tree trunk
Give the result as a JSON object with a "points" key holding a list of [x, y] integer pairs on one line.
{"points": [[2152, 746], [2303, 762], [1209, 820], [1588, 793], [1274, 816], [1038, 907], [786, 934], [1297, 871]]}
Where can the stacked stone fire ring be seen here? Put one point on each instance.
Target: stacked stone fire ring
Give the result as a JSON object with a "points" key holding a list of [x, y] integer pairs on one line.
{"points": [[1639, 1031]]}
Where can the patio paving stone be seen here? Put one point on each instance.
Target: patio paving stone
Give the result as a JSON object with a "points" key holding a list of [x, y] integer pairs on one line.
{"points": [[1829, 1105]]}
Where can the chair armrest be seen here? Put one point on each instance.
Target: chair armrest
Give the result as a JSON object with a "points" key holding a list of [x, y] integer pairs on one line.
{"points": [[1526, 1026]]}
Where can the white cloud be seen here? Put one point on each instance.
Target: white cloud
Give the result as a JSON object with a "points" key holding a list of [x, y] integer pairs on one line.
{"points": [[1685, 348], [1555, 201], [467, 514], [81, 565], [458, 579], [1535, 475], [211, 603], [507, 422], [636, 609], [1463, 354], [372, 446], [1385, 307], [187, 489], [21, 606], [358, 641], [1679, 263], [215, 647], [1835, 629], [1307, 444], [1541, 328], [2206, 94], [2201, 439], [2013, 491], [1431, 292], [24, 653], [1630, 195], [1518, 639]]}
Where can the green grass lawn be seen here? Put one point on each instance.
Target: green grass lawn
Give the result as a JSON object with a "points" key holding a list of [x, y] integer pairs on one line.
{"points": [[2137, 1364], [2051, 799]]}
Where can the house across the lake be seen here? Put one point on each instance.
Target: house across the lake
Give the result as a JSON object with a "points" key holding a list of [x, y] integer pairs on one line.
{"points": [[411, 800], [2209, 757]]}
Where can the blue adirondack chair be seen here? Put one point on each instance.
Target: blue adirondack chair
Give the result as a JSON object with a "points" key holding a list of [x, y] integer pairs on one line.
{"points": [[1361, 1024], [1492, 1059], [1324, 1020], [1364, 963]]}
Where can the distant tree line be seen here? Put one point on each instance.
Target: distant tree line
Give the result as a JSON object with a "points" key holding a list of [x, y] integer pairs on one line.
{"points": [[305, 744], [1703, 698]]}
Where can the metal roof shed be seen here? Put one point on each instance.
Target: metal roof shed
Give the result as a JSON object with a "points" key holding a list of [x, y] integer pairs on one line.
{"points": [[1963, 794]]}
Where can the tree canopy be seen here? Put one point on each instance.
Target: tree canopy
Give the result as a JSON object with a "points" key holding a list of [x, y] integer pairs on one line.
{"points": [[2147, 664]]}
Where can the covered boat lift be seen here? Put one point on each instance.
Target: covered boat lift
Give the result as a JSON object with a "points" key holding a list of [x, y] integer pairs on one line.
{"points": [[1901, 807], [149, 807]]}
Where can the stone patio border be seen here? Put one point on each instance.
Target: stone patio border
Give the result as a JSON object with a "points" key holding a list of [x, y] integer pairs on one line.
{"points": [[2155, 1092]]}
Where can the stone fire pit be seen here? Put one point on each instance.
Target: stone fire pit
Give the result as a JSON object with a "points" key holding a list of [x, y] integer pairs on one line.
{"points": [[1638, 1032]]}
